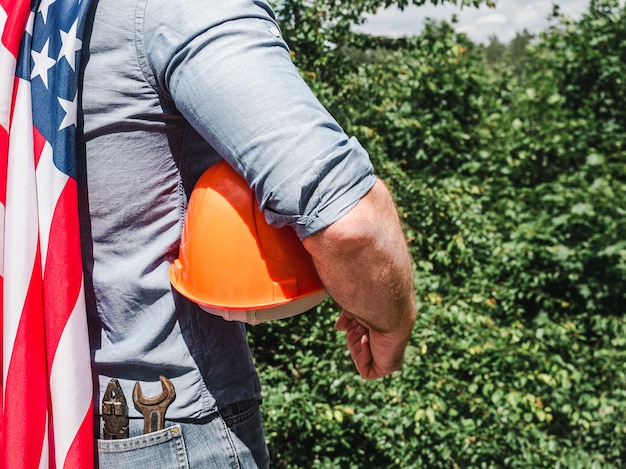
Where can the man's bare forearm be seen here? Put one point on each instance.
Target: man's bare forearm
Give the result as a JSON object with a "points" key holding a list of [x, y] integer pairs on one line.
{"points": [[363, 261]]}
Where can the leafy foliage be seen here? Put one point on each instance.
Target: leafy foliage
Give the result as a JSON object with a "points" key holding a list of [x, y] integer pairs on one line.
{"points": [[510, 178]]}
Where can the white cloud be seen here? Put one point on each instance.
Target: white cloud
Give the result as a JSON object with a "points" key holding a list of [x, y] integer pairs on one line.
{"points": [[492, 20], [504, 21]]}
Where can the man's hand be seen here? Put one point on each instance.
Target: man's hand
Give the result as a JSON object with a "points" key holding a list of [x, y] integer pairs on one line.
{"points": [[363, 261], [375, 354]]}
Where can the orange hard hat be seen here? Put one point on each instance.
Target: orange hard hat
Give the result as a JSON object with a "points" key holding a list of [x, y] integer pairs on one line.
{"points": [[233, 263]]}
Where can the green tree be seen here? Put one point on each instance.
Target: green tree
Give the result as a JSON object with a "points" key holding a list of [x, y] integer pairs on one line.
{"points": [[316, 28], [495, 51], [517, 54]]}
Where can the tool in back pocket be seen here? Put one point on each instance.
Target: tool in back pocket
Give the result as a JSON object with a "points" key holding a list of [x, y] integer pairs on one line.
{"points": [[114, 412], [153, 408]]}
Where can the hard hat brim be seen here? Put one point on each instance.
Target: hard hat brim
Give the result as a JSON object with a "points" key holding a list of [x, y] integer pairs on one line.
{"points": [[271, 313]]}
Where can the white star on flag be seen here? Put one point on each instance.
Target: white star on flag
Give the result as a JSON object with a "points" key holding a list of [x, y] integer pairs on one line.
{"points": [[71, 45], [43, 63], [43, 8], [70, 108]]}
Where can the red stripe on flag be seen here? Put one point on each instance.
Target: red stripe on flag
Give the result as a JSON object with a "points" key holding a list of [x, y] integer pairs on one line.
{"points": [[17, 11], [63, 273], [38, 143], [4, 146], [26, 397]]}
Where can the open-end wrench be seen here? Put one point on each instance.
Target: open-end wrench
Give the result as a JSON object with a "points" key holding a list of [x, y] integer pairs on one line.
{"points": [[153, 408]]}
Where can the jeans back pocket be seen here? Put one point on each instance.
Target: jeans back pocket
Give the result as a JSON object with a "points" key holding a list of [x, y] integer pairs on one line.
{"points": [[162, 449]]}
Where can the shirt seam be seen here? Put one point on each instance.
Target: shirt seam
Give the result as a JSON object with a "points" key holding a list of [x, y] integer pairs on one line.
{"points": [[143, 62]]}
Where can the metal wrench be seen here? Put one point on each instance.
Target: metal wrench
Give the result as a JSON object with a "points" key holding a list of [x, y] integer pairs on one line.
{"points": [[153, 408]]}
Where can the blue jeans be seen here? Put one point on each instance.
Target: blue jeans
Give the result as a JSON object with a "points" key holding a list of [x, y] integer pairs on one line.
{"points": [[232, 437]]}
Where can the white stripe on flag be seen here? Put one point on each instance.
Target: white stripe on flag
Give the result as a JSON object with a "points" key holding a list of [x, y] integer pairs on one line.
{"points": [[7, 74], [1, 244], [50, 184], [70, 380], [20, 225]]}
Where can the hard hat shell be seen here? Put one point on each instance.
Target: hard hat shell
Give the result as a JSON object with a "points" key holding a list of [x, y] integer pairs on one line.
{"points": [[233, 263]]}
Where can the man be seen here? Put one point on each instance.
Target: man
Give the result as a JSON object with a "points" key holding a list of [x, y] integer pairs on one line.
{"points": [[169, 88]]}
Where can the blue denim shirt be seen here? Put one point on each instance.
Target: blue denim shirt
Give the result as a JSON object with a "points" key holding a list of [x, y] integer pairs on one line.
{"points": [[169, 88]]}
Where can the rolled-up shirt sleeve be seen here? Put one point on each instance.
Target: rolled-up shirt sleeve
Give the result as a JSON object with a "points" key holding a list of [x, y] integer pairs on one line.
{"points": [[227, 69]]}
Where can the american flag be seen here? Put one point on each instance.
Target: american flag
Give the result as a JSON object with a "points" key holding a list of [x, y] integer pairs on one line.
{"points": [[46, 386]]}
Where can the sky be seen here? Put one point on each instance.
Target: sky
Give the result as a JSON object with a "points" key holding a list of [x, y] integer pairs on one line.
{"points": [[503, 21]]}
